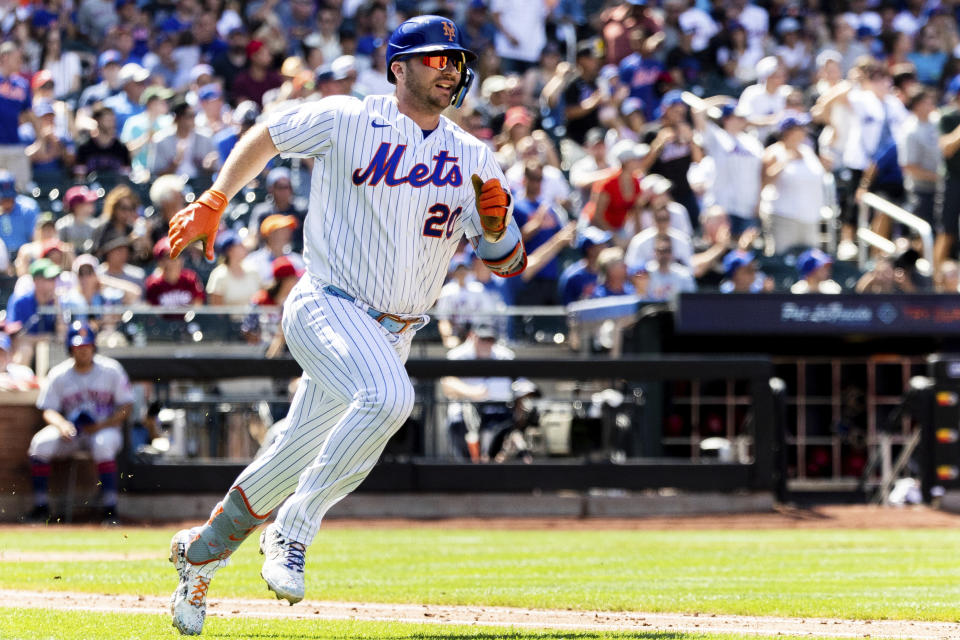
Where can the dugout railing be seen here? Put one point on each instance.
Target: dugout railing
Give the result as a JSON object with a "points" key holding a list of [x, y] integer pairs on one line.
{"points": [[762, 470]]}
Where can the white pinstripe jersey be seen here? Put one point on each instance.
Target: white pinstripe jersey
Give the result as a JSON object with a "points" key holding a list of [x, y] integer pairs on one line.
{"points": [[387, 206]]}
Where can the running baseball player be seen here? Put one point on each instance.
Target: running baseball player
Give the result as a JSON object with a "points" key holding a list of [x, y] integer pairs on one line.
{"points": [[395, 186]]}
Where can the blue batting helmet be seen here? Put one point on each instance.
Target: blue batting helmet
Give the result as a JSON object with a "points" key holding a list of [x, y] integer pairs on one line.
{"points": [[79, 334], [430, 34]]}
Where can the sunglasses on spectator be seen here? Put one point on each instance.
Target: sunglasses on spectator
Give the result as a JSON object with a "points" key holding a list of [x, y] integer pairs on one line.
{"points": [[440, 62]]}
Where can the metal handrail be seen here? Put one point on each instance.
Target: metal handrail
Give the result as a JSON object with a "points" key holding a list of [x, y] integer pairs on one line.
{"points": [[904, 217], [876, 240]]}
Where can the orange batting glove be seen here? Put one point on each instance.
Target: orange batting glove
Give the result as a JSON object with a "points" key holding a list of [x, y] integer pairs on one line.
{"points": [[493, 204], [199, 221]]}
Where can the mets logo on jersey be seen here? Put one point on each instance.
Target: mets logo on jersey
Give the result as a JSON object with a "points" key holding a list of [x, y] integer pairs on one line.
{"points": [[384, 165], [450, 31]]}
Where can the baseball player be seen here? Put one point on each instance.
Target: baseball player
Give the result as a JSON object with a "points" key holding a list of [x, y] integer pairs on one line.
{"points": [[395, 186], [85, 402]]}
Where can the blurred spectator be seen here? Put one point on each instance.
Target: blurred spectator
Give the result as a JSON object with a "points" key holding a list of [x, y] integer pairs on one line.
{"points": [[103, 153], [18, 214], [139, 131], [593, 166], [741, 275], [762, 104], [244, 117], [578, 280], [672, 151], [655, 195], [13, 376], [814, 268], [929, 57], [621, 21], [214, 116], [24, 308], [51, 154], [538, 220], [642, 247], [919, 154], [477, 31], [96, 17], [615, 197], [44, 230], [231, 282], [947, 278], [323, 45], [949, 209], [738, 57], [259, 77], [126, 103], [171, 284], [284, 275], [230, 62], [276, 232], [166, 195], [537, 148], [641, 73], [108, 64], [478, 411], [161, 63], [668, 278], [885, 277], [96, 290], [521, 32], [584, 96], [796, 173], [15, 108], [738, 166], [461, 300], [63, 67], [182, 150], [280, 200], [115, 250], [700, 23], [613, 275], [793, 50], [78, 226]]}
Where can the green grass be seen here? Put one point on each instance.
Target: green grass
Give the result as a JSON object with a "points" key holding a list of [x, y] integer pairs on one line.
{"points": [[32, 624], [834, 573]]}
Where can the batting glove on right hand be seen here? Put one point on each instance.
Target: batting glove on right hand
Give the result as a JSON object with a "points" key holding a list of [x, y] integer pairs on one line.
{"points": [[199, 221], [494, 207]]}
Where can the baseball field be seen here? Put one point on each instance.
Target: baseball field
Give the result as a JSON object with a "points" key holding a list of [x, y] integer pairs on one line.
{"points": [[840, 573]]}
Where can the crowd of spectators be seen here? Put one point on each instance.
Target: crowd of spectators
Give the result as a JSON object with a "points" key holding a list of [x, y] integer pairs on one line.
{"points": [[653, 146]]}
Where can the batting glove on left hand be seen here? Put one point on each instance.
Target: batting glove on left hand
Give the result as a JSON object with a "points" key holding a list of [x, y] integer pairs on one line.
{"points": [[494, 206], [199, 221]]}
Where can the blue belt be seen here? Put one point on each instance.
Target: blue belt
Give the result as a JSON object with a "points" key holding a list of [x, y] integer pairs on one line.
{"points": [[389, 321]]}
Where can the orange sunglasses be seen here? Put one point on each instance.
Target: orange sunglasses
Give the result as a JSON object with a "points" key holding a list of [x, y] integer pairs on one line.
{"points": [[440, 62]]}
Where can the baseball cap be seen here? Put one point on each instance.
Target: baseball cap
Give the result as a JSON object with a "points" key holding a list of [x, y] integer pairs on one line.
{"points": [[515, 116], [278, 173], [627, 150], [345, 65], [733, 109], [766, 67], [734, 260], [790, 122], [594, 136], [326, 73], [77, 194], [84, 260], [110, 56], [200, 70], [276, 222], [485, 331], [631, 105], [788, 25], [246, 112], [291, 66], [655, 184], [115, 242], [132, 72], [637, 3], [209, 92], [670, 98], [477, 4], [43, 108], [827, 55], [226, 239], [155, 92], [45, 218], [162, 248], [492, 85], [51, 245], [283, 267], [811, 260], [44, 268], [7, 188], [40, 78], [592, 236], [253, 46]]}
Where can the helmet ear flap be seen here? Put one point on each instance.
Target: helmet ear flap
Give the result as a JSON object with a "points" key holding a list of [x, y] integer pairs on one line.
{"points": [[466, 79]]}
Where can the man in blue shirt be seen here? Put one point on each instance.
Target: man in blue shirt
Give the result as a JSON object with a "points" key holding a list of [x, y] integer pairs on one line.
{"points": [[126, 103], [18, 214], [23, 308], [642, 74], [578, 281], [15, 108], [538, 220]]}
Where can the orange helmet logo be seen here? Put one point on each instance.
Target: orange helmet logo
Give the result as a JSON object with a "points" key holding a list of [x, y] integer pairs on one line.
{"points": [[449, 31]]}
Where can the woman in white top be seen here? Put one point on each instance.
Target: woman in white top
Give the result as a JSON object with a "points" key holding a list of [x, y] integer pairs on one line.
{"points": [[794, 171], [230, 283], [64, 66]]}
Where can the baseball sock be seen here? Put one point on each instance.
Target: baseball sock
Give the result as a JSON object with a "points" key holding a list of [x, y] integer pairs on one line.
{"points": [[108, 483], [229, 525], [41, 476]]}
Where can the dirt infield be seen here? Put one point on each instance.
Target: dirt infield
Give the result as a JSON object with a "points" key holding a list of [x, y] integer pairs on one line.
{"points": [[497, 616]]}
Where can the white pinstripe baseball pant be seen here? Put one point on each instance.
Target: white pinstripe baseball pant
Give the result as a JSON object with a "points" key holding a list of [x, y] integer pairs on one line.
{"points": [[354, 395]]}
